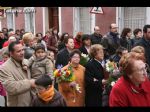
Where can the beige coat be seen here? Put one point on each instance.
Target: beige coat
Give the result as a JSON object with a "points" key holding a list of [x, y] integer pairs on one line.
{"points": [[16, 83]]}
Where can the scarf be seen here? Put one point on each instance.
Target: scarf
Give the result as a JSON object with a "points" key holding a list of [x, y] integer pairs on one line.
{"points": [[47, 95]]}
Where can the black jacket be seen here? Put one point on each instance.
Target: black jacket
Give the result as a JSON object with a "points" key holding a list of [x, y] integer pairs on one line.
{"points": [[83, 50], [111, 43], [135, 40], [62, 57], [61, 45], [96, 39], [93, 89], [57, 101], [127, 43], [146, 44]]}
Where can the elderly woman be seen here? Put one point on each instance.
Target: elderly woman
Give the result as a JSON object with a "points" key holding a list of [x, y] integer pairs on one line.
{"points": [[94, 78], [141, 51], [74, 98], [132, 89]]}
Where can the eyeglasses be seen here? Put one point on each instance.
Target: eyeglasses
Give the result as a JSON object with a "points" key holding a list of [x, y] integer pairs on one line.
{"points": [[76, 57], [115, 28]]}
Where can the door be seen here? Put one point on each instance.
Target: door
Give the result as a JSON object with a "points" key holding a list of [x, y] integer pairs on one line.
{"points": [[53, 17]]}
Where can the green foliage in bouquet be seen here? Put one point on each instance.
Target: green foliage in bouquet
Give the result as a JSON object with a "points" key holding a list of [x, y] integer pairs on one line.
{"points": [[84, 59], [114, 73]]}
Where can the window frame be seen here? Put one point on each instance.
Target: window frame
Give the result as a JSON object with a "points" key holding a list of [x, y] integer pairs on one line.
{"points": [[27, 15]]}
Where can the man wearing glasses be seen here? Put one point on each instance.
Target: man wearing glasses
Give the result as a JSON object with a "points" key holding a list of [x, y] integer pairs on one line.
{"points": [[111, 40]]}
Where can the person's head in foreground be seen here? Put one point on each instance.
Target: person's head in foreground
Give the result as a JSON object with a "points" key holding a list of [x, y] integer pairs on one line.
{"points": [[46, 94], [132, 89]]}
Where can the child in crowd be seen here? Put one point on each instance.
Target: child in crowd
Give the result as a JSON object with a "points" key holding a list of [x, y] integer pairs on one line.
{"points": [[39, 63], [5, 57], [46, 94], [51, 56]]}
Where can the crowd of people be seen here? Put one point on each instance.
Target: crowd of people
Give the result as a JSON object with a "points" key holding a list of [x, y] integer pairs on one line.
{"points": [[28, 62]]}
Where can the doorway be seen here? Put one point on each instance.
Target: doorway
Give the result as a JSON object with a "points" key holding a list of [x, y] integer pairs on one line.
{"points": [[53, 17]]}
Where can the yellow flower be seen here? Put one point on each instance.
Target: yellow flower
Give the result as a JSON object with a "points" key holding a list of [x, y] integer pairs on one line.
{"points": [[57, 73]]}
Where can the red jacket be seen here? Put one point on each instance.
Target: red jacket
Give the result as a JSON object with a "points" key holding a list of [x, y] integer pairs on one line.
{"points": [[2, 90], [6, 44], [77, 44], [124, 93]]}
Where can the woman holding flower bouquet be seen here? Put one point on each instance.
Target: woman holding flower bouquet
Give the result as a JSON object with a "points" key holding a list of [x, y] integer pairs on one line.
{"points": [[71, 81], [94, 77]]}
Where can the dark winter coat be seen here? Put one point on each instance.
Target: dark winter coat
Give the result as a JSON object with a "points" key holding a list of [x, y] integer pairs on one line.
{"points": [[61, 45], [62, 57], [96, 39], [135, 40], [127, 43], [93, 89], [83, 50], [57, 101], [110, 43]]}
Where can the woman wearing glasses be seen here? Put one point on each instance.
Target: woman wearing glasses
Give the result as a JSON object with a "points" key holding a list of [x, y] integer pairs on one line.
{"points": [[132, 89]]}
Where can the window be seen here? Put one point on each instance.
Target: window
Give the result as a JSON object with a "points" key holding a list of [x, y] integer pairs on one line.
{"points": [[84, 17], [10, 20], [29, 19], [134, 17], [82, 20]]}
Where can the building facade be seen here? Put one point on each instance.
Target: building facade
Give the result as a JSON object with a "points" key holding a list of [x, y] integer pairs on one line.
{"points": [[74, 19]]}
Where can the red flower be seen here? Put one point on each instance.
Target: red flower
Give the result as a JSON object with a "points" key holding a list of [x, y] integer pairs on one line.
{"points": [[67, 73]]}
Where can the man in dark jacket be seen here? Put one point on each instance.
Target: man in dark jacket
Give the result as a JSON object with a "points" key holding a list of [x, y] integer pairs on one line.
{"points": [[145, 42], [111, 40], [46, 94], [96, 37]]}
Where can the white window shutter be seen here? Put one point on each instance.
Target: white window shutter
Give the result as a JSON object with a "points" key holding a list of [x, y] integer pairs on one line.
{"points": [[10, 21], [134, 17]]}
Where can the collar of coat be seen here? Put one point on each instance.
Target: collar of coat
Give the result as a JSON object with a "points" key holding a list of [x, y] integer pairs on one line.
{"points": [[143, 87], [15, 62]]}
